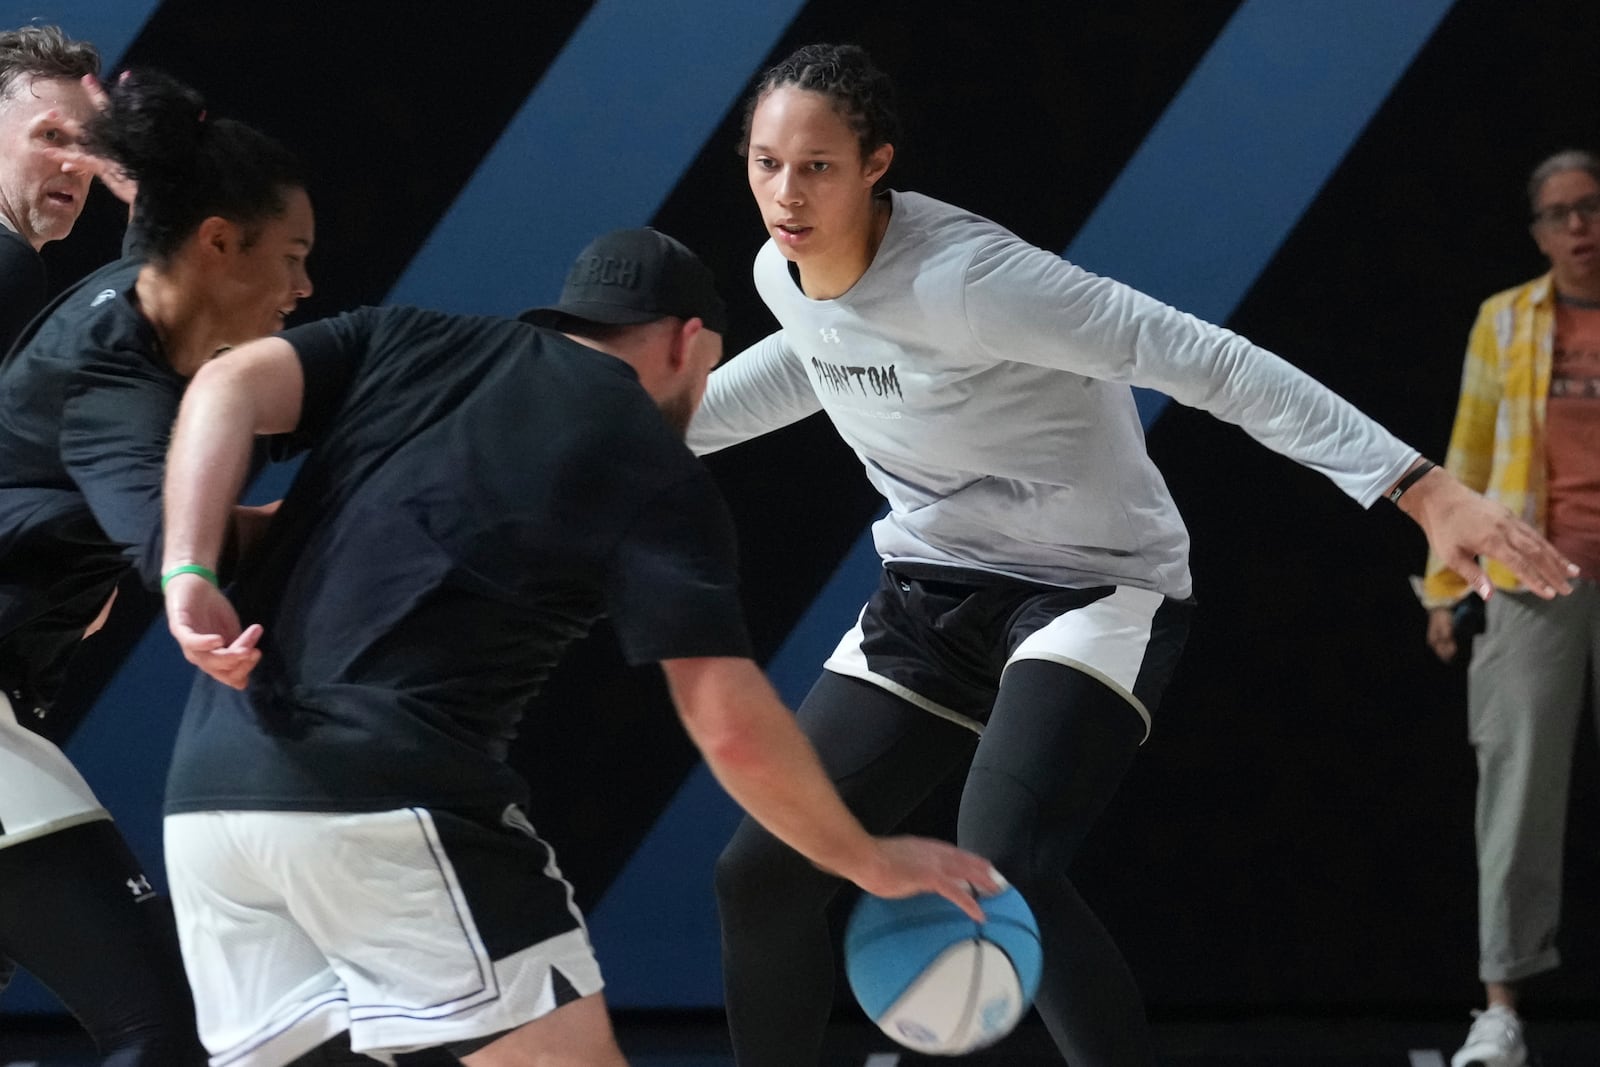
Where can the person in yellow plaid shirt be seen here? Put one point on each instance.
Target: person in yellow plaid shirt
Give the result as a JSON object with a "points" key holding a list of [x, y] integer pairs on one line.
{"points": [[1527, 435]]}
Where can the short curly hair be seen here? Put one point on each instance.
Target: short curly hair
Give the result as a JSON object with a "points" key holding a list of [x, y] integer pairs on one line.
{"points": [[862, 94], [43, 52]]}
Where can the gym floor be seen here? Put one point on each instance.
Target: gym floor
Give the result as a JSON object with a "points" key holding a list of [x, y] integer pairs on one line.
{"points": [[698, 1041]]}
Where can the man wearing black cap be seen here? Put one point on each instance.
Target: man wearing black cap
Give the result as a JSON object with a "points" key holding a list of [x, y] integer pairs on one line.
{"points": [[348, 855]]}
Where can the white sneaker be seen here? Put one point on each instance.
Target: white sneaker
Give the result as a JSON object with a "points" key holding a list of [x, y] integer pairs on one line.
{"points": [[1495, 1040]]}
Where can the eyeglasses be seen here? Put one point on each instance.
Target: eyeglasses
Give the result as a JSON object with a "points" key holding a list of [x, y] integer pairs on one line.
{"points": [[1555, 216]]}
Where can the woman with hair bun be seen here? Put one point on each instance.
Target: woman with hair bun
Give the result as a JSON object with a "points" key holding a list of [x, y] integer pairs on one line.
{"points": [[87, 401]]}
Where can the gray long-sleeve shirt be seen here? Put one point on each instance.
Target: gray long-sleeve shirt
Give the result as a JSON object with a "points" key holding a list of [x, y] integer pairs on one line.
{"points": [[984, 383]]}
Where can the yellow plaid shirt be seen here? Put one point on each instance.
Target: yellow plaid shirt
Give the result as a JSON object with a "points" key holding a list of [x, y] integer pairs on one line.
{"points": [[1497, 446]]}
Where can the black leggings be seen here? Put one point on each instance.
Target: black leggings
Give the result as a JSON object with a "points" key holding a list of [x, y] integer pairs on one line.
{"points": [[1056, 746], [70, 913]]}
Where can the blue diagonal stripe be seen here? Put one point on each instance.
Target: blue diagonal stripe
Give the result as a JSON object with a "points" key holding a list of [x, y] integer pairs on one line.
{"points": [[1194, 219], [1245, 146], [601, 142]]}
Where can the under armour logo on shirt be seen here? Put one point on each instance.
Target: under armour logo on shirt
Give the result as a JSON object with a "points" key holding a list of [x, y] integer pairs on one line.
{"points": [[830, 336], [102, 296], [139, 886]]}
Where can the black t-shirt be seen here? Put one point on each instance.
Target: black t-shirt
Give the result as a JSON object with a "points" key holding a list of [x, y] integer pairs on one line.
{"points": [[86, 408], [23, 286], [476, 494]]}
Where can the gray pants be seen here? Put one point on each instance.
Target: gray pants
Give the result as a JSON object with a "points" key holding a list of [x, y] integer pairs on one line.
{"points": [[1525, 693]]}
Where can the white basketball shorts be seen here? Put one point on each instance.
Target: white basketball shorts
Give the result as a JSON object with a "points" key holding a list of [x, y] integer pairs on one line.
{"points": [[40, 790], [410, 929]]}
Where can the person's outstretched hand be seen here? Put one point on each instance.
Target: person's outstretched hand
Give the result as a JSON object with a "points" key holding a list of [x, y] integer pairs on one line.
{"points": [[1462, 525]]}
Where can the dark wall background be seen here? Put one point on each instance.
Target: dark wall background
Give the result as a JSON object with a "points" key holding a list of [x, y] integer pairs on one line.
{"points": [[1297, 833]]}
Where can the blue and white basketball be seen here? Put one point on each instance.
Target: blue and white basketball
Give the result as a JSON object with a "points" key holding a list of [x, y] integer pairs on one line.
{"points": [[936, 981]]}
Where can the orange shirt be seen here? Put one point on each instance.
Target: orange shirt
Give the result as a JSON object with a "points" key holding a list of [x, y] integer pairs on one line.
{"points": [[1572, 441]]}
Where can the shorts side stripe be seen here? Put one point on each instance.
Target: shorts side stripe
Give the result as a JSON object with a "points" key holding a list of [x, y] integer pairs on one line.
{"points": [[855, 666], [488, 988], [515, 818]]}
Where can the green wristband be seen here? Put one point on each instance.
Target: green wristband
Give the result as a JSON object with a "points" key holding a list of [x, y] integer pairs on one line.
{"points": [[189, 568]]}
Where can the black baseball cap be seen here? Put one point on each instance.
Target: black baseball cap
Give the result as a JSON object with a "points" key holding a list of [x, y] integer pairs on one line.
{"points": [[633, 276]]}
